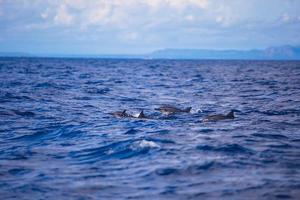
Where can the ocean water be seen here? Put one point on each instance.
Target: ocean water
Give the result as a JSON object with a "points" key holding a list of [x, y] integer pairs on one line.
{"points": [[59, 141]]}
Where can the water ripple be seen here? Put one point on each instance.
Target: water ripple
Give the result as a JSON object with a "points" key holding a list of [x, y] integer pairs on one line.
{"points": [[58, 139]]}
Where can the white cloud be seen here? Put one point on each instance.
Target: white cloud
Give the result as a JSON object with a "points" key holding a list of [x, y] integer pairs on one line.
{"points": [[153, 3], [189, 17], [285, 17], [63, 16], [45, 14], [161, 22], [200, 3], [182, 4], [118, 12], [98, 15]]}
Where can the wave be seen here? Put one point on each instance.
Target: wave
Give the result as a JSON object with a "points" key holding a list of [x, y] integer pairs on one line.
{"points": [[228, 149], [118, 150]]}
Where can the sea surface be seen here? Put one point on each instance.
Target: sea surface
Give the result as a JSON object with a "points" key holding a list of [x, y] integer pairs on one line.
{"points": [[58, 139]]}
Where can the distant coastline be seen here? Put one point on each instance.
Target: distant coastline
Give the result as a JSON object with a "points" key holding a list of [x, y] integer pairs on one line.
{"points": [[271, 53]]}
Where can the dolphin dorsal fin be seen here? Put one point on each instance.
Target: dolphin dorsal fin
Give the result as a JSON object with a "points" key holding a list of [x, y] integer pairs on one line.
{"points": [[141, 115], [124, 111], [230, 114]]}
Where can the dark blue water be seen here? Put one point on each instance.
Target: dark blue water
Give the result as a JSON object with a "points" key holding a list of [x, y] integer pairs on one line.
{"points": [[58, 140]]}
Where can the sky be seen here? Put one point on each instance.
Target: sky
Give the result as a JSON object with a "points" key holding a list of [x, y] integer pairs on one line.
{"points": [[141, 26]]}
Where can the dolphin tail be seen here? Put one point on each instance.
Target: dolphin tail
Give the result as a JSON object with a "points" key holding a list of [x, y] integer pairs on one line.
{"points": [[230, 114], [188, 109]]}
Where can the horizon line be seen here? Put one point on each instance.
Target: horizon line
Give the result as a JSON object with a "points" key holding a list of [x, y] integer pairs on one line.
{"points": [[141, 54]]}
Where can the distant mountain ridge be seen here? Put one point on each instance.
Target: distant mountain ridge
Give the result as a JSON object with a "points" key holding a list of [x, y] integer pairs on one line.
{"points": [[272, 53]]}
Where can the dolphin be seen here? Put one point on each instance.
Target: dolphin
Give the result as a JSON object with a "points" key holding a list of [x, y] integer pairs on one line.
{"points": [[124, 114], [121, 114], [213, 118], [172, 109]]}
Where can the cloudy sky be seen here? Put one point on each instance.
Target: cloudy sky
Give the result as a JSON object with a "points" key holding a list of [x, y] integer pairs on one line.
{"points": [[139, 26]]}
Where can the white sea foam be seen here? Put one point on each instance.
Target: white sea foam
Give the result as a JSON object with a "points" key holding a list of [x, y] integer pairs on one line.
{"points": [[136, 115], [146, 143], [196, 109]]}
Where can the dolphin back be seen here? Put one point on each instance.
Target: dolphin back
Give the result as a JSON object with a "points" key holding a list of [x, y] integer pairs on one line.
{"points": [[188, 109]]}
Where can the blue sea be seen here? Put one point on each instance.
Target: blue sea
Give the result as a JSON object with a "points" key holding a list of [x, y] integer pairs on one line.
{"points": [[58, 139]]}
